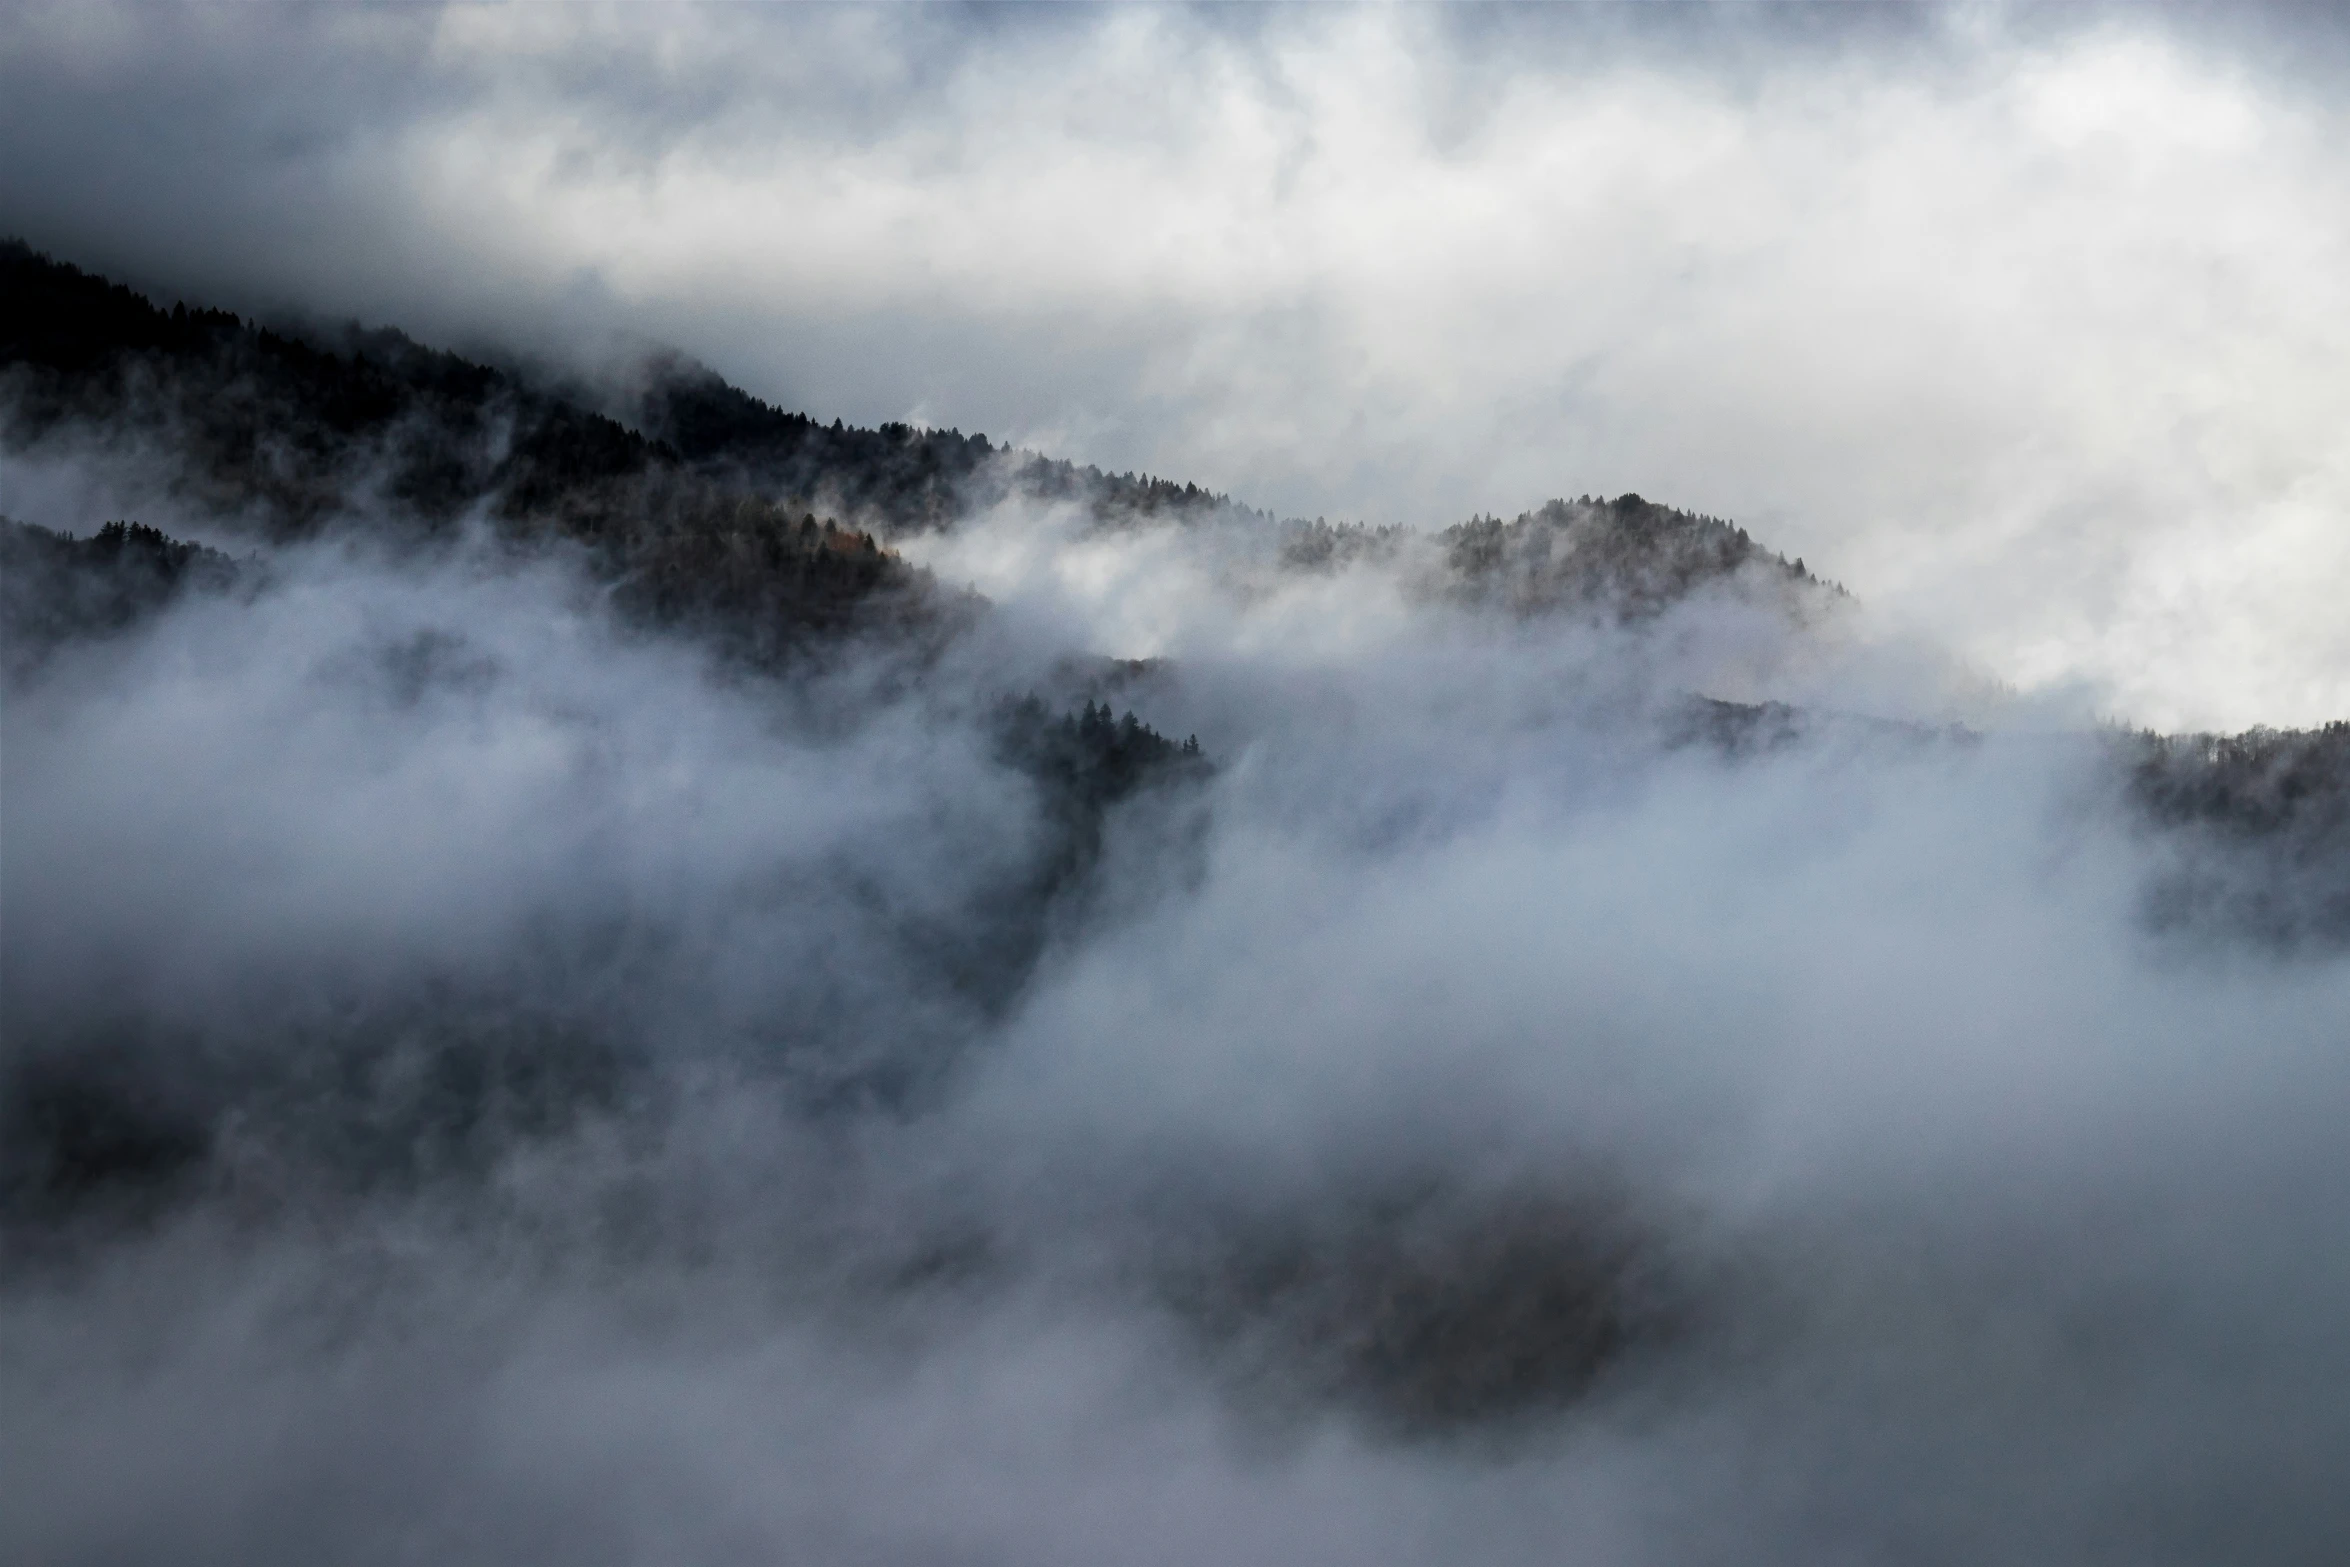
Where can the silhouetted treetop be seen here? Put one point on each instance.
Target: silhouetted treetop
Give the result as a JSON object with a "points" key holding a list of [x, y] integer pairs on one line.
{"points": [[54, 587]]}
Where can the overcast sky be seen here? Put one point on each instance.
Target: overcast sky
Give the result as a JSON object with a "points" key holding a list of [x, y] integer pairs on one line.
{"points": [[2034, 330]]}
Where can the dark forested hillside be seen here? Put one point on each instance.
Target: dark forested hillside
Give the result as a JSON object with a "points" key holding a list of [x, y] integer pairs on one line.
{"points": [[2262, 824], [287, 437], [287, 429], [1628, 555], [54, 588], [704, 502]]}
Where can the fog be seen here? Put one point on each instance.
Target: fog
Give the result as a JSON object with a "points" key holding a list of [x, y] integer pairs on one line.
{"points": [[1485, 1120], [491, 1074], [2029, 320]]}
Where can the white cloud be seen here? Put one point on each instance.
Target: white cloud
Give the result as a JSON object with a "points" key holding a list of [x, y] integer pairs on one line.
{"points": [[2035, 336]]}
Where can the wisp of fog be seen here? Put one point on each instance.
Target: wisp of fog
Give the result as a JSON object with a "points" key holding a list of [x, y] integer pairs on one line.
{"points": [[594, 970], [1488, 1119]]}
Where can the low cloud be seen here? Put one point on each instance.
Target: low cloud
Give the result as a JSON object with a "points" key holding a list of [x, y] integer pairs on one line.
{"points": [[1495, 1122], [490, 1078]]}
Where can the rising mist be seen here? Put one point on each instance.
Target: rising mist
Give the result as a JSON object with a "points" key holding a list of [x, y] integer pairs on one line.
{"points": [[599, 971]]}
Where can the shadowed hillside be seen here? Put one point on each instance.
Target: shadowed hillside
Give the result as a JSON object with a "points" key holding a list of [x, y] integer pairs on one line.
{"points": [[54, 588], [2261, 825], [290, 437], [704, 503]]}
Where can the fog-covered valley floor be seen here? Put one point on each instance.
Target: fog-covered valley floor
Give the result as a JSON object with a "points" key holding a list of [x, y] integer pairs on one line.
{"points": [[792, 1001]]}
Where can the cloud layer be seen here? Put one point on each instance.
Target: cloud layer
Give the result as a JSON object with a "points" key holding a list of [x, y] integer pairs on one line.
{"points": [[1798, 1153], [2030, 330]]}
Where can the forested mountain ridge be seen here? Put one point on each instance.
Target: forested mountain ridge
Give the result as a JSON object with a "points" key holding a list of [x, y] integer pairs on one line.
{"points": [[703, 501], [1629, 554], [764, 530], [291, 435], [897, 477], [272, 419], [287, 437]]}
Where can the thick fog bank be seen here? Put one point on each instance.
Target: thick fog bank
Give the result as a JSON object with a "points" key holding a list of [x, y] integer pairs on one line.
{"points": [[489, 1082]]}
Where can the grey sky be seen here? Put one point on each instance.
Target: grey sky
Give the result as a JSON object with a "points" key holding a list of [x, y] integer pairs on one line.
{"points": [[2032, 328]]}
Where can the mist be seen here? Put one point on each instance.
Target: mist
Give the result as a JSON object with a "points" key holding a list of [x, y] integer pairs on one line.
{"points": [[1480, 1121], [569, 995]]}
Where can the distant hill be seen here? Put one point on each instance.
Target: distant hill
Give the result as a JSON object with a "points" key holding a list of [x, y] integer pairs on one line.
{"points": [[768, 531], [701, 501], [288, 437], [1629, 554]]}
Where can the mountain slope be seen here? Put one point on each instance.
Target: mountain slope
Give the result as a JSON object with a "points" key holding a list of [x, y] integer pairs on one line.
{"points": [[289, 438], [703, 502], [705, 508]]}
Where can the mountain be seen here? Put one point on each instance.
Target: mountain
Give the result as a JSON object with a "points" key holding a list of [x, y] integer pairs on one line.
{"points": [[286, 437], [701, 503], [769, 534]]}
